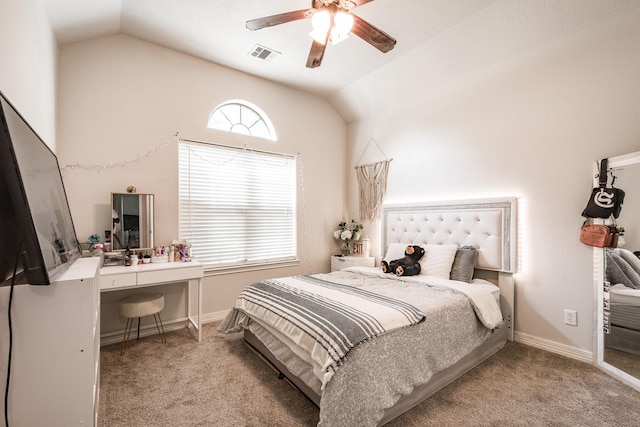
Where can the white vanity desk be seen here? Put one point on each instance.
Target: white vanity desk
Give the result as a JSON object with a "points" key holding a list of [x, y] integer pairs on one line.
{"points": [[115, 278]]}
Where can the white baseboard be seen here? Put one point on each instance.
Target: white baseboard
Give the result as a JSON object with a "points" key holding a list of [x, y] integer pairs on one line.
{"points": [[145, 331], [554, 347], [215, 316], [171, 325]]}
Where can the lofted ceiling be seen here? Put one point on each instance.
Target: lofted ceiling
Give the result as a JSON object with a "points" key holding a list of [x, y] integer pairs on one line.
{"points": [[215, 30]]}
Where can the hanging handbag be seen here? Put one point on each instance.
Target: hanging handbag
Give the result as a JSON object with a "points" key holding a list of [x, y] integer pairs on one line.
{"points": [[598, 235], [604, 202]]}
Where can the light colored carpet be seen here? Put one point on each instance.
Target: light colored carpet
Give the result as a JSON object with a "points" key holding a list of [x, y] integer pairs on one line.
{"points": [[627, 362], [220, 382]]}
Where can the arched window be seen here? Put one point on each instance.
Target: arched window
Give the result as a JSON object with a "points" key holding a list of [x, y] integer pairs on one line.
{"points": [[243, 117]]}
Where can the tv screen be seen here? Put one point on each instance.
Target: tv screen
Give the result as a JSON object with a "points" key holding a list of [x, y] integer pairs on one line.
{"points": [[35, 221]]}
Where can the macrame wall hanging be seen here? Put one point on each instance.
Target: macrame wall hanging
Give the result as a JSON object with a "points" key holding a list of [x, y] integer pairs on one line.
{"points": [[372, 184]]}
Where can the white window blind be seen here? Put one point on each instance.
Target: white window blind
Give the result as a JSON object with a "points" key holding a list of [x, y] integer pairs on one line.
{"points": [[237, 206]]}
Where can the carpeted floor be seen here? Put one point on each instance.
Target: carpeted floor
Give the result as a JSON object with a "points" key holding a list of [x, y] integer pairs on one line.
{"points": [[220, 382]]}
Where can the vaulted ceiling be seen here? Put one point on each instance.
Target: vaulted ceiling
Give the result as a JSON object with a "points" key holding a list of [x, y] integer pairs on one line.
{"points": [[215, 30]]}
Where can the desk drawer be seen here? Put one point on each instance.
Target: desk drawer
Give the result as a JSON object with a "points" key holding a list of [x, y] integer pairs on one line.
{"points": [[117, 280], [170, 275]]}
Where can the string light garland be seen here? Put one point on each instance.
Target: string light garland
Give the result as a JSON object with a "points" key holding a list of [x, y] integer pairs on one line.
{"points": [[239, 151], [172, 139], [97, 168]]}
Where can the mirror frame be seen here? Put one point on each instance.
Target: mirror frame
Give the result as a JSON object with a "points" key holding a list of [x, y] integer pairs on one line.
{"points": [[598, 274], [153, 221]]}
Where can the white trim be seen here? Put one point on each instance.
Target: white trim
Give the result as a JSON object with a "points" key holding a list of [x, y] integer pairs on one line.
{"points": [[598, 279], [554, 347], [171, 325], [241, 103], [115, 337], [624, 160], [623, 376], [215, 316]]}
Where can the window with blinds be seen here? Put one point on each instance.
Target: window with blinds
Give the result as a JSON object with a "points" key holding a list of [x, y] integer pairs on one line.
{"points": [[237, 206]]}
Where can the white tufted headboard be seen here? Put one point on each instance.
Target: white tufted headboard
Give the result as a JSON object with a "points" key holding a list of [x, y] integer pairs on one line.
{"points": [[487, 224]]}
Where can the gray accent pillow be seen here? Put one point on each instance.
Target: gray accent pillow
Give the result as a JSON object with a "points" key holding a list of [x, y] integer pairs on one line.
{"points": [[628, 256], [620, 271], [463, 264]]}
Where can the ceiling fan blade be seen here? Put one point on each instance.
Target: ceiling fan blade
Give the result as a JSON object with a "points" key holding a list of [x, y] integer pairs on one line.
{"points": [[281, 18], [372, 35], [316, 54]]}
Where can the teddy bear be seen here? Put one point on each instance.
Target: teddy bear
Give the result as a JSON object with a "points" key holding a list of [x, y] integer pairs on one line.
{"points": [[407, 265]]}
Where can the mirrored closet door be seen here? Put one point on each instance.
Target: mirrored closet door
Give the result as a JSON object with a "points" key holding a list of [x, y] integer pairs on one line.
{"points": [[618, 294]]}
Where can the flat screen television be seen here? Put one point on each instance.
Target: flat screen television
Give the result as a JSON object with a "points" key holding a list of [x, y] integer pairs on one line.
{"points": [[36, 228]]}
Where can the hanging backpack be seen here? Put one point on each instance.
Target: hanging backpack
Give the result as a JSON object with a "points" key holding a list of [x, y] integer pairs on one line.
{"points": [[604, 201]]}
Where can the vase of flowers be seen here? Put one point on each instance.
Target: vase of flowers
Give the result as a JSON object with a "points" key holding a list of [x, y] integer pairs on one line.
{"points": [[346, 233]]}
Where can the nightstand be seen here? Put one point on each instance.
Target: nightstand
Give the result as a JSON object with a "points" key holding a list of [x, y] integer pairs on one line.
{"points": [[340, 262]]}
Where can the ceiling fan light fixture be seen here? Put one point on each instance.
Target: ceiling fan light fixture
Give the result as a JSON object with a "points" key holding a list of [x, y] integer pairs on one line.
{"points": [[321, 22], [337, 24], [343, 22], [318, 36], [337, 36], [330, 20]]}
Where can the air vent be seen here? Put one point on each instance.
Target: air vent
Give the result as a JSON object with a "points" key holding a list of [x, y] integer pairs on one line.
{"points": [[262, 52]]}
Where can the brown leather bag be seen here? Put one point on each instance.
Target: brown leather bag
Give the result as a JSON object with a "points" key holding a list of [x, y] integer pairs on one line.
{"points": [[600, 236]]}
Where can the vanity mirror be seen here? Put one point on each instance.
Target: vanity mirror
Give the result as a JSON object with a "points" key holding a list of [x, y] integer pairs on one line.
{"points": [[132, 221], [618, 306]]}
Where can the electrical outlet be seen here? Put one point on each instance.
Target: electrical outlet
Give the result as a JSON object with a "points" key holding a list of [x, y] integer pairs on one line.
{"points": [[570, 317]]}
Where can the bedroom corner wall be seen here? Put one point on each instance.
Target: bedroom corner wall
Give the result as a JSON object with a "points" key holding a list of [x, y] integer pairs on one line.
{"points": [[121, 97], [29, 64], [529, 127]]}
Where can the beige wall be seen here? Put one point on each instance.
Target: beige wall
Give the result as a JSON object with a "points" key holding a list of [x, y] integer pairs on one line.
{"points": [[120, 97], [28, 67], [529, 127]]}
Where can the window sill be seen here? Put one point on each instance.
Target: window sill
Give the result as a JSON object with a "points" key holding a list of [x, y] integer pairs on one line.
{"points": [[215, 270]]}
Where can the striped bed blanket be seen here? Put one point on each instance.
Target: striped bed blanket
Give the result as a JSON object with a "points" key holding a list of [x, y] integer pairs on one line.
{"points": [[335, 317]]}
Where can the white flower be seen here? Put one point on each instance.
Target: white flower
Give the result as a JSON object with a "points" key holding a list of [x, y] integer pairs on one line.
{"points": [[347, 231]]}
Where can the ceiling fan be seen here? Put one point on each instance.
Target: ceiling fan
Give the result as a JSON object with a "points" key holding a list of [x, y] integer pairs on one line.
{"points": [[332, 20]]}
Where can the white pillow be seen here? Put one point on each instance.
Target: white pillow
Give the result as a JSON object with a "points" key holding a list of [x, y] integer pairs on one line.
{"points": [[395, 251], [437, 260]]}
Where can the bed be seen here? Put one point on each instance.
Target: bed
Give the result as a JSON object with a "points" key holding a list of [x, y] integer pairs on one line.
{"points": [[448, 327], [623, 273]]}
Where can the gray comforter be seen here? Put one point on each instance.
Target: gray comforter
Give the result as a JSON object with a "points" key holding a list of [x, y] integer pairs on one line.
{"points": [[378, 372]]}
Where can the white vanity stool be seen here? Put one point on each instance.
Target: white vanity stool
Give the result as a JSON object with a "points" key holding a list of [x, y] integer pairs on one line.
{"points": [[140, 305]]}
